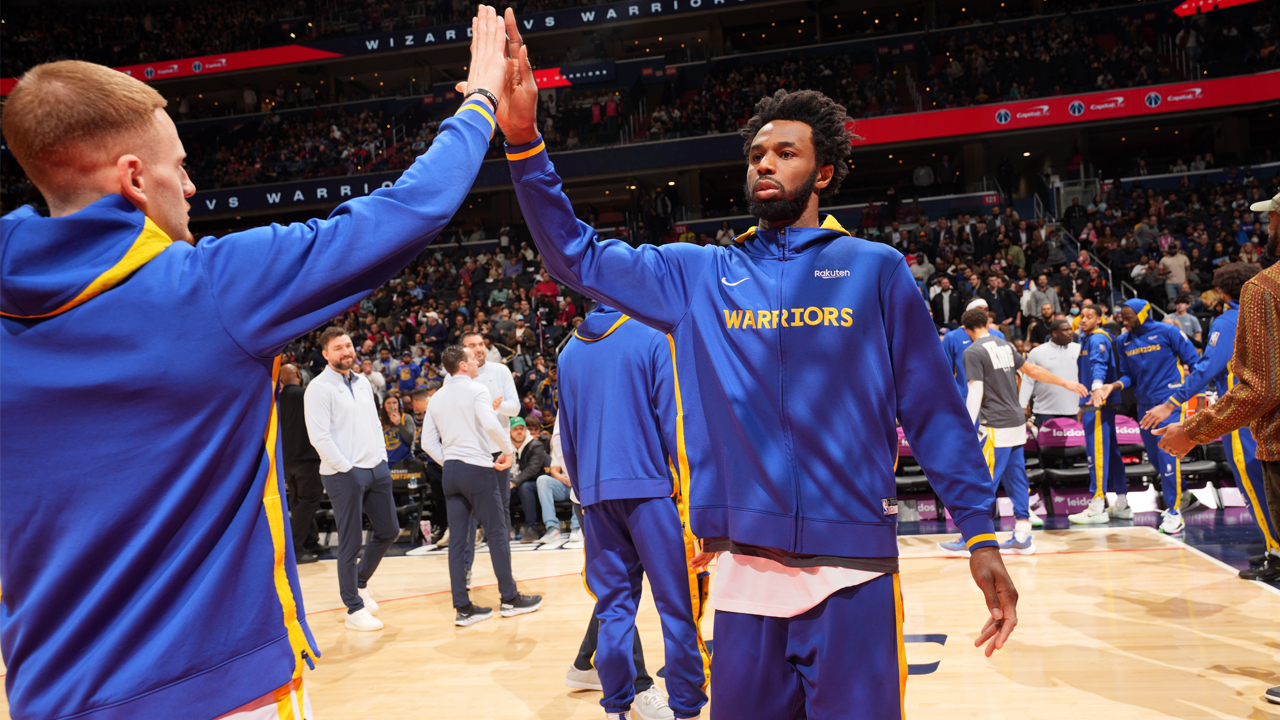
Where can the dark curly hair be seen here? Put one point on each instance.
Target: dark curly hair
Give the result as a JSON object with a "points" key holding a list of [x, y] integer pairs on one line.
{"points": [[824, 116], [1230, 278]]}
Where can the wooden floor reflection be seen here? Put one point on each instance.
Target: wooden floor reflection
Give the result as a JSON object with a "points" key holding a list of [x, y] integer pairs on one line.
{"points": [[1114, 623]]}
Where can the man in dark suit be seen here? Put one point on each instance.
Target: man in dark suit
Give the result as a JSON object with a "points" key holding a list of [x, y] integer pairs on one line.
{"points": [[946, 304], [301, 467]]}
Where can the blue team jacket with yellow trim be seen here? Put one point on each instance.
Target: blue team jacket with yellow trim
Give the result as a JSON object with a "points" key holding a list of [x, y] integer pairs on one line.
{"points": [[1154, 358], [621, 424], [1099, 362], [1215, 364], [149, 573], [805, 345]]}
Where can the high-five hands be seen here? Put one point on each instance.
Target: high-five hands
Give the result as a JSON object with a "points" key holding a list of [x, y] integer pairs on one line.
{"points": [[517, 91], [488, 68]]}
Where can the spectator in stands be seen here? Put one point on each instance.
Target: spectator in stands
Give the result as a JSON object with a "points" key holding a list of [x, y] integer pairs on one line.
{"points": [[1173, 270], [946, 304], [1189, 324], [1045, 294], [1040, 328], [554, 487], [530, 461]]}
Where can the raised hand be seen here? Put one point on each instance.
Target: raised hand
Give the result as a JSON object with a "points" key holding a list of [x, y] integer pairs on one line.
{"points": [[488, 68], [518, 115], [1001, 596]]}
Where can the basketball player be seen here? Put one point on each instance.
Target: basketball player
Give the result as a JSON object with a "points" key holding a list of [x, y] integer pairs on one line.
{"points": [[622, 425], [1098, 366], [1240, 446], [957, 341], [805, 344], [1154, 355], [196, 610], [991, 366]]}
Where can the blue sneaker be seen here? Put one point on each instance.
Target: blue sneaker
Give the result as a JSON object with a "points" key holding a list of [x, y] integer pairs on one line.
{"points": [[1013, 545], [955, 548]]}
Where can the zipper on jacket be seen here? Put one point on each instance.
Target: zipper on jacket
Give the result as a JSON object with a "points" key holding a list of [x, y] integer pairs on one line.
{"points": [[782, 400]]}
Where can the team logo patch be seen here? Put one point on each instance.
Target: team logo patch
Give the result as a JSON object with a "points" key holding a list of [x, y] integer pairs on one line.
{"points": [[1076, 108], [1003, 116], [149, 73], [890, 505], [197, 66], [1213, 339], [1153, 99]]}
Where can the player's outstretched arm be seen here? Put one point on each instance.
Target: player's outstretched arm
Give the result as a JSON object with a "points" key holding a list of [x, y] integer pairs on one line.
{"points": [[1001, 597], [648, 283], [275, 283]]}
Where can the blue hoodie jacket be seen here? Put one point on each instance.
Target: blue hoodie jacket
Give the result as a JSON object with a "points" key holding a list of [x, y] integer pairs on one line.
{"points": [[621, 418], [1155, 358], [1099, 362], [167, 353], [1215, 364], [805, 344]]}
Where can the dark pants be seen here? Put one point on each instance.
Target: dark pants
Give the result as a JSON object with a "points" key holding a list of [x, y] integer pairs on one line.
{"points": [[357, 492], [472, 491], [529, 501], [586, 654], [1271, 483], [434, 477], [303, 479]]}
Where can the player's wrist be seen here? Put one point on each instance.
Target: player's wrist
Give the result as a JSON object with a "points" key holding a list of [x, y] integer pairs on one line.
{"points": [[518, 136]]}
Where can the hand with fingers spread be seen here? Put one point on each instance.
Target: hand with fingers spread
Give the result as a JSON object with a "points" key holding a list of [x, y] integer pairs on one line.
{"points": [[518, 116], [488, 68], [1001, 596]]}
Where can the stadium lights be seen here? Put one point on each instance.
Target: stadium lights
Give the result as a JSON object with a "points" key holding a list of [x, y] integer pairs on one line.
{"points": [[1026, 154], [293, 36], [671, 182]]}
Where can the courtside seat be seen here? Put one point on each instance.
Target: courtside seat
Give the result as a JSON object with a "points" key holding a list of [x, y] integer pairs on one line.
{"points": [[1140, 471], [406, 491], [1065, 477], [912, 484]]}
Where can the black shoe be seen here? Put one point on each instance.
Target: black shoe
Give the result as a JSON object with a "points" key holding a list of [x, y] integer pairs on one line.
{"points": [[1256, 560], [1273, 695], [520, 604], [472, 614], [529, 534], [305, 558], [1269, 572]]}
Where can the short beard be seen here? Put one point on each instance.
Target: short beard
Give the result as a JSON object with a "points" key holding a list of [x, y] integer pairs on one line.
{"points": [[786, 209]]}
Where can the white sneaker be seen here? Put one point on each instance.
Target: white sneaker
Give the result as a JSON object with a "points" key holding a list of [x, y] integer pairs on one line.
{"points": [[575, 535], [550, 536], [363, 620], [1036, 521], [587, 679], [1172, 524], [652, 705], [1120, 513], [369, 603], [1095, 514], [618, 716]]}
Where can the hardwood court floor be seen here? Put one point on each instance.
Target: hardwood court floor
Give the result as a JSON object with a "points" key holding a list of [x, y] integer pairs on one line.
{"points": [[1115, 623]]}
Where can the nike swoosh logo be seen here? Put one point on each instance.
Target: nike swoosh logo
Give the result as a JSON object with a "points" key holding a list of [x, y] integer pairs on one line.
{"points": [[732, 284]]}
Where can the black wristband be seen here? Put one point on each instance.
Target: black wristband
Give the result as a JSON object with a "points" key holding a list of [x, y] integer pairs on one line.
{"points": [[483, 93]]}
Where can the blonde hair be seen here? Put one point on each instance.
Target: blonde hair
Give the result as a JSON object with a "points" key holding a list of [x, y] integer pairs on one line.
{"points": [[70, 115]]}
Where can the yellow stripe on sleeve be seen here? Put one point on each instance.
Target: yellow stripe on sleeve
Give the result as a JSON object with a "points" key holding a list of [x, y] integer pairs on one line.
{"points": [[980, 538], [527, 153], [480, 109]]}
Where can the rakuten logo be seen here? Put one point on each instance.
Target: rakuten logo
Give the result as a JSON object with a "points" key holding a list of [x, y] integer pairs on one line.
{"points": [[1035, 112], [1113, 103], [828, 274], [1191, 94]]}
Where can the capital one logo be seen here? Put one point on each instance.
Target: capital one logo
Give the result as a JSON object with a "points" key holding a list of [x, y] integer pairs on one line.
{"points": [[1191, 94], [149, 73], [1035, 112], [1003, 116], [1076, 108], [1111, 103], [1153, 99]]}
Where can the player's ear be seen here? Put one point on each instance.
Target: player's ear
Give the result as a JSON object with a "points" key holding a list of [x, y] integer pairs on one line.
{"points": [[825, 173]]}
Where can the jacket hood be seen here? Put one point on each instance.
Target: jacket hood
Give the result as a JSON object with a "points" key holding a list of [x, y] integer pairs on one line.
{"points": [[50, 265], [1142, 308], [599, 323], [779, 242]]}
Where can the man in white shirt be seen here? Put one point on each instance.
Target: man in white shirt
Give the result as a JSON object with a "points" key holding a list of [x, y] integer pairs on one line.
{"points": [[342, 422], [496, 378], [461, 432], [374, 377], [1059, 357]]}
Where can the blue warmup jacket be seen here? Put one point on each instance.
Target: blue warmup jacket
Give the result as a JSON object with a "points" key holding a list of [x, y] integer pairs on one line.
{"points": [[954, 343], [1154, 358], [1215, 364], [806, 344], [1099, 362], [621, 419], [167, 352]]}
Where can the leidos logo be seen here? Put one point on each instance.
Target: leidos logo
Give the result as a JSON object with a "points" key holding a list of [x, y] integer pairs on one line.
{"points": [[1153, 99], [1076, 108], [827, 274], [1111, 103], [1191, 94], [1003, 116], [1036, 112]]}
